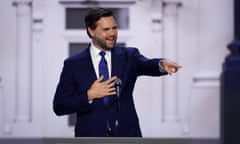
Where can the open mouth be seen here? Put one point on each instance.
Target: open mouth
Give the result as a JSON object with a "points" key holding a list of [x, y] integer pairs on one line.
{"points": [[110, 40]]}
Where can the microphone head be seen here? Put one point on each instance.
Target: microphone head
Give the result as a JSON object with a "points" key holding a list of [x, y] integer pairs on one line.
{"points": [[118, 85], [118, 82]]}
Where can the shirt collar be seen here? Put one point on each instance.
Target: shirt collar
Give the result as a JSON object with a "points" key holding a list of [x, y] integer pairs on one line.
{"points": [[96, 51]]}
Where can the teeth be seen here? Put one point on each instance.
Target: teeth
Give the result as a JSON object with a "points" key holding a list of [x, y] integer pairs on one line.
{"points": [[111, 38]]}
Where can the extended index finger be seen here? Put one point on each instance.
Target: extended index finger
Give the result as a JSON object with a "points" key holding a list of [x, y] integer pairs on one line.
{"points": [[175, 65]]}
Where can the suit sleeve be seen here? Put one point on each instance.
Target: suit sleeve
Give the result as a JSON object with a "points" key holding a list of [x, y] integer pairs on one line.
{"points": [[146, 66], [67, 98]]}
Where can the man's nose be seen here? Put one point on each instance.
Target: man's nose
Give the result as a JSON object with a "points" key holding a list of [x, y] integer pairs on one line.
{"points": [[113, 32]]}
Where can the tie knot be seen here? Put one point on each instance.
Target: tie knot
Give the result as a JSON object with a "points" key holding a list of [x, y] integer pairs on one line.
{"points": [[102, 53]]}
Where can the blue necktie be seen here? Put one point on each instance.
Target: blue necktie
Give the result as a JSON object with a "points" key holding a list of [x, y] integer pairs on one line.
{"points": [[103, 71]]}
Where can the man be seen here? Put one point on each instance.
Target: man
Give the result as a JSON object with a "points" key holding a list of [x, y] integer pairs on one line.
{"points": [[87, 82]]}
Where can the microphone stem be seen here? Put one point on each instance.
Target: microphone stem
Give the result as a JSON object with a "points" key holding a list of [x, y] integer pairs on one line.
{"points": [[118, 84], [117, 117]]}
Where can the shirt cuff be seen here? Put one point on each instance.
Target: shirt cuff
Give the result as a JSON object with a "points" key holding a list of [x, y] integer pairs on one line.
{"points": [[161, 69]]}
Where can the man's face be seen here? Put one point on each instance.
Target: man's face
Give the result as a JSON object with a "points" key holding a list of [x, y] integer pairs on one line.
{"points": [[104, 36]]}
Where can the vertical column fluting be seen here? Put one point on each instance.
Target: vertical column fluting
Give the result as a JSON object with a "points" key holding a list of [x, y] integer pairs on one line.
{"points": [[23, 63], [170, 45]]}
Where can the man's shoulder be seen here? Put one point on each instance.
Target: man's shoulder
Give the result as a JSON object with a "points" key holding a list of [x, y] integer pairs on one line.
{"points": [[78, 56], [126, 50]]}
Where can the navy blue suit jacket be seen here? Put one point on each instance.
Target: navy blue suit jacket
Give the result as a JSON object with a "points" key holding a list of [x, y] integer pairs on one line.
{"points": [[77, 77]]}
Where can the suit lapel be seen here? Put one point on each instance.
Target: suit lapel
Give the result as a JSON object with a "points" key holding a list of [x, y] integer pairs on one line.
{"points": [[118, 64], [89, 69]]}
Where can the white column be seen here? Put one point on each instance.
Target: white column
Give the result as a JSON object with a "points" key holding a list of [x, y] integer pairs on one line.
{"points": [[23, 64], [170, 45]]}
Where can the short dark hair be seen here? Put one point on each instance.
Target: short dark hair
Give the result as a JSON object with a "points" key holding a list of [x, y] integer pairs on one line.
{"points": [[94, 15]]}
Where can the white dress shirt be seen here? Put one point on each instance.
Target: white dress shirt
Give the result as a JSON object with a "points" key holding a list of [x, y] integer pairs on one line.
{"points": [[96, 57]]}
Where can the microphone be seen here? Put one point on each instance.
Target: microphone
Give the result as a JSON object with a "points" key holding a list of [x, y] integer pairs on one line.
{"points": [[118, 84]]}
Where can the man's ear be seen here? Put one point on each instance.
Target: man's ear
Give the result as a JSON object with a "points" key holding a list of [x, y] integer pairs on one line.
{"points": [[90, 31]]}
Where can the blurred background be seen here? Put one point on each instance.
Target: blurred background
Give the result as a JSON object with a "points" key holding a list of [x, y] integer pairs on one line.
{"points": [[37, 35]]}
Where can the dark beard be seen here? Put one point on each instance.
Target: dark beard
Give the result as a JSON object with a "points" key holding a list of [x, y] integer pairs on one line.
{"points": [[102, 44]]}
